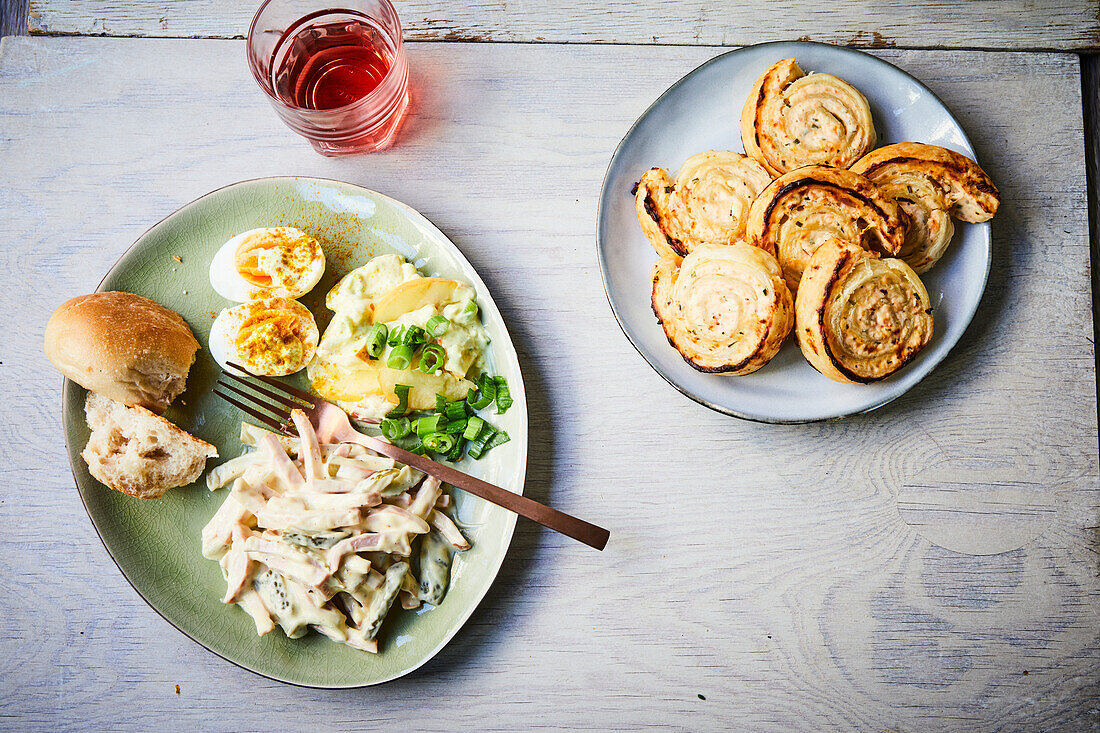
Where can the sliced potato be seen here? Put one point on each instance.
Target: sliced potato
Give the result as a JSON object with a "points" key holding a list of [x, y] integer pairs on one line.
{"points": [[424, 387], [342, 384], [415, 294]]}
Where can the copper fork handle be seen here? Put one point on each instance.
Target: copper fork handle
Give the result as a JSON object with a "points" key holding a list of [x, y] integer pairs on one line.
{"points": [[568, 525]]}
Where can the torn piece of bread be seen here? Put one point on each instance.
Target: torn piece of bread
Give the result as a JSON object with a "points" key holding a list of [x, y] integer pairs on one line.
{"points": [[139, 453]]}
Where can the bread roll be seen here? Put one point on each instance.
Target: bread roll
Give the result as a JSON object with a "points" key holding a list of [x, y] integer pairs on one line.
{"points": [[931, 184], [791, 120], [860, 318], [802, 209], [123, 346], [724, 308], [706, 204], [138, 453]]}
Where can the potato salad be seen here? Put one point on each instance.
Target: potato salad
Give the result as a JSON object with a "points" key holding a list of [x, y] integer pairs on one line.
{"points": [[392, 326]]}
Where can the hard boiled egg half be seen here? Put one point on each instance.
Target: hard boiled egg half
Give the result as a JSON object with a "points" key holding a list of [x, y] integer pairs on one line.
{"points": [[268, 262], [272, 336]]}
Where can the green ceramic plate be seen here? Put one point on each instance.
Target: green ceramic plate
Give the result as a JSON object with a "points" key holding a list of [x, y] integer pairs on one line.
{"points": [[156, 542]]}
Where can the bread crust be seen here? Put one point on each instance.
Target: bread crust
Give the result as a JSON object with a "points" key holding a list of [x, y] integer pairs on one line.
{"points": [[123, 346]]}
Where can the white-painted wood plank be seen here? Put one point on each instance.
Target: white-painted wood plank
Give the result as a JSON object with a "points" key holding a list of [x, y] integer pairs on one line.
{"points": [[1004, 24], [831, 576]]}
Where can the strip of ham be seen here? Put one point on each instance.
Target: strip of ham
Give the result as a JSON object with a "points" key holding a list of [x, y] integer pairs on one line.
{"points": [[447, 528]]}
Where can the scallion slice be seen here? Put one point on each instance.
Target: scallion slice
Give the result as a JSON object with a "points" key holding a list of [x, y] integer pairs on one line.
{"points": [[488, 387], [376, 340], [471, 307], [395, 428], [412, 443], [437, 325], [440, 402], [427, 425], [414, 336], [504, 397], [475, 402], [402, 392], [500, 437], [455, 453], [478, 446], [473, 427], [439, 442], [400, 357], [455, 410], [456, 426], [432, 357], [394, 337]]}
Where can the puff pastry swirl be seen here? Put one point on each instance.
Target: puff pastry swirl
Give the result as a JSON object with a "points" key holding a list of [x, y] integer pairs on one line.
{"points": [[705, 204], [860, 318], [802, 209], [931, 184], [726, 309], [792, 119]]}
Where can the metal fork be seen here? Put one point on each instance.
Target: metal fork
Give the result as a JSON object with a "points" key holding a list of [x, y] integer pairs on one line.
{"points": [[329, 420]]}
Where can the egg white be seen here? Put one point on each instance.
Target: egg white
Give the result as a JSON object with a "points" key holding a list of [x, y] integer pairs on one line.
{"points": [[229, 284]]}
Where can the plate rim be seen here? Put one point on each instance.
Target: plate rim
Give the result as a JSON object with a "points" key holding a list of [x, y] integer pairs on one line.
{"points": [[601, 256], [519, 394]]}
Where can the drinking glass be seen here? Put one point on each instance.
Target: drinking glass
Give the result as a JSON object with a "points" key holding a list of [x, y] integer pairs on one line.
{"points": [[336, 76]]}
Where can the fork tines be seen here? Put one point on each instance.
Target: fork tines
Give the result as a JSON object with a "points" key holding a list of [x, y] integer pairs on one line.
{"points": [[279, 414]]}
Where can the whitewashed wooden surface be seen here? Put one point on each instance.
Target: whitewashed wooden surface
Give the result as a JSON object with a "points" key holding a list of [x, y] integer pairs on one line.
{"points": [[1006, 24], [932, 566]]}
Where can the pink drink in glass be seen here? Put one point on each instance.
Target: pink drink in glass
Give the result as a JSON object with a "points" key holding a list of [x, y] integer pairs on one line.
{"points": [[336, 76]]}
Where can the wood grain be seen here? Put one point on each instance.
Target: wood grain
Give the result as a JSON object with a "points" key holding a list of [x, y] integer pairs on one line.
{"points": [[932, 566], [13, 18], [1006, 24], [1090, 91]]}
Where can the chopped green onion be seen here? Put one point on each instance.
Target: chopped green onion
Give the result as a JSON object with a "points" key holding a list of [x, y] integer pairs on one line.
{"points": [[432, 357], [395, 335], [500, 437], [471, 307], [488, 386], [414, 336], [455, 453], [480, 445], [437, 325], [395, 428], [440, 402], [473, 427], [376, 340], [402, 392], [439, 442], [412, 443], [475, 402], [455, 410], [427, 424], [456, 426], [504, 397], [400, 357], [490, 438]]}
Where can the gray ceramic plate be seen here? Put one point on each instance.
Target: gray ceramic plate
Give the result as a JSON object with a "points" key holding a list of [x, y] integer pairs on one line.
{"points": [[156, 542], [702, 111]]}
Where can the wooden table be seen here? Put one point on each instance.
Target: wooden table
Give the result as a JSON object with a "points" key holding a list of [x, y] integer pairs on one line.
{"points": [[934, 565]]}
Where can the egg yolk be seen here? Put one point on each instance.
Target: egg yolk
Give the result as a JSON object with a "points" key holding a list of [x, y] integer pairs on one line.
{"points": [[270, 341], [276, 257]]}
